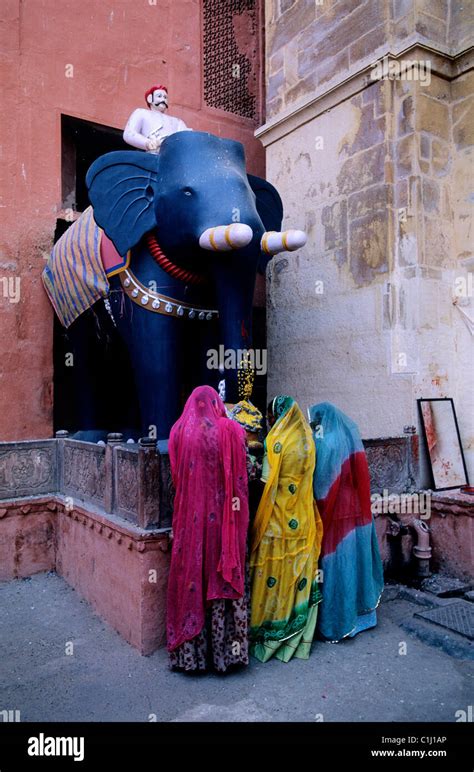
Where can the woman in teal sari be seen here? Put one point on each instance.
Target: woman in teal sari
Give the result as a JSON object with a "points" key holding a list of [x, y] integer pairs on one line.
{"points": [[350, 559]]}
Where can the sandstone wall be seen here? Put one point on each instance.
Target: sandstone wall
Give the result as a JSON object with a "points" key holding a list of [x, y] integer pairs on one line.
{"points": [[379, 172]]}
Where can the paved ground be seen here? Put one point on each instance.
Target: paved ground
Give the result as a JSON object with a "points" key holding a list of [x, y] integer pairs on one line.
{"points": [[364, 679]]}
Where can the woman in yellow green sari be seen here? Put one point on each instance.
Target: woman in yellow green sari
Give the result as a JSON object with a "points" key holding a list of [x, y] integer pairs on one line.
{"points": [[286, 541]]}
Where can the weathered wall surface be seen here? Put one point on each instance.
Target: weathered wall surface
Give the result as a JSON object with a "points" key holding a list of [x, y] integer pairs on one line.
{"points": [[325, 305], [27, 537], [379, 173], [122, 574], [121, 570], [116, 49], [312, 45]]}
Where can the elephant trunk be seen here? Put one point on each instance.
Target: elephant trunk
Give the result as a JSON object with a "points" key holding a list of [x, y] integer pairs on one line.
{"points": [[234, 286]]}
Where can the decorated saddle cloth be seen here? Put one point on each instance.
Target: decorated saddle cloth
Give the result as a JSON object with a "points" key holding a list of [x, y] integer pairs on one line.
{"points": [[77, 271]]}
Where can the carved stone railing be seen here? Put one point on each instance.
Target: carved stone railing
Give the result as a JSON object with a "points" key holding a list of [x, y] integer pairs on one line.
{"points": [[82, 472], [28, 468], [131, 481], [134, 481]]}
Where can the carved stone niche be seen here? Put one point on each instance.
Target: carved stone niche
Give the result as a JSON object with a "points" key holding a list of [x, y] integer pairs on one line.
{"points": [[83, 472], [150, 498], [140, 493], [392, 464], [126, 483], [28, 468]]}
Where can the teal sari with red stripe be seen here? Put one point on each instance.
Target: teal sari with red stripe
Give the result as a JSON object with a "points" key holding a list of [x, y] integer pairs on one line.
{"points": [[350, 560]]}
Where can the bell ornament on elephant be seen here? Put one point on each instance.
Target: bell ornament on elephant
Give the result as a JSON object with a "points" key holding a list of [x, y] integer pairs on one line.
{"points": [[173, 241]]}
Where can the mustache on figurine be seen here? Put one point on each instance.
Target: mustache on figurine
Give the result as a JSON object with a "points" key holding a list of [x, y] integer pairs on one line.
{"points": [[157, 97]]}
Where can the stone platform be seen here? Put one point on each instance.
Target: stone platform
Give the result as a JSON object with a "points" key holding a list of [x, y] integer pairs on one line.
{"points": [[99, 516]]}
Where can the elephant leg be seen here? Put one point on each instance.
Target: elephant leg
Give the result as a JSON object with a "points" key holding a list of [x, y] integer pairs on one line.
{"points": [[158, 382], [76, 380], [154, 343], [81, 372], [89, 359]]}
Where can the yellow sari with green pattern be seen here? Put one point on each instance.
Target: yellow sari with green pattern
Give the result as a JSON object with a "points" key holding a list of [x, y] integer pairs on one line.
{"points": [[286, 542]]}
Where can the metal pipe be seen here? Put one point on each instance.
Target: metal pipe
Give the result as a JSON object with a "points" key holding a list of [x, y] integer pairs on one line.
{"points": [[422, 549]]}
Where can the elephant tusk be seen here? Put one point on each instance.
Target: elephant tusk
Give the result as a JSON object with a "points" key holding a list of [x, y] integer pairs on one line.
{"points": [[223, 238], [285, 241]]}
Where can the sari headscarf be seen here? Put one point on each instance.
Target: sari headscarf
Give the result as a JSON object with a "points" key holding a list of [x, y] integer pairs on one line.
{"points": [[286, 539], [210, 518], [350, 557], [281, 405]]}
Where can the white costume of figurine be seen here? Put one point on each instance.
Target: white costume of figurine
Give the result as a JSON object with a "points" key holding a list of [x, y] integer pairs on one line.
{"points": [[147, 128]]}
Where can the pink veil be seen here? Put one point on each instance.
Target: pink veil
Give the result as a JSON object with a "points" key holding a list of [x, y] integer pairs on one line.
{"points": [[210, 519]]}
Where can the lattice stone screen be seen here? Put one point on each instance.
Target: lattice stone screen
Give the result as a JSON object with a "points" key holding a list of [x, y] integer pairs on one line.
{"points": [[231, 50]]}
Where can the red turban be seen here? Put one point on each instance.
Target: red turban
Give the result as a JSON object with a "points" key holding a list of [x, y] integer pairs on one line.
{"points": [[151, 90]]}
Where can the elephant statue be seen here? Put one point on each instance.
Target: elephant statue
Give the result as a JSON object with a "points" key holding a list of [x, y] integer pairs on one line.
{"points": [[171, 245]]}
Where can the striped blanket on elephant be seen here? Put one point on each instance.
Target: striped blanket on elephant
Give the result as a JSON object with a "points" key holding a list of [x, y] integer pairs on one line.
{"points": [[74, 276]]}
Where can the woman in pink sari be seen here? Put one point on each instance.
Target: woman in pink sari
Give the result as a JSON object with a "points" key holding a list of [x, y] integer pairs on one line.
{"points": [[207, 606]]}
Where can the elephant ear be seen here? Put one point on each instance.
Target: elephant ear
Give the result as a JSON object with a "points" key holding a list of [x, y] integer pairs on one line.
{"points": [[122, 188], [269, 208]]}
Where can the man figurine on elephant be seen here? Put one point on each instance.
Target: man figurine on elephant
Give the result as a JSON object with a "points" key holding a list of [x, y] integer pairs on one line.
{"points": [[146, 129]]}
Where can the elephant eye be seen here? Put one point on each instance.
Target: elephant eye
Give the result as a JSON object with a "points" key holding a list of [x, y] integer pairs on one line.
{"points": [[188, 191]]}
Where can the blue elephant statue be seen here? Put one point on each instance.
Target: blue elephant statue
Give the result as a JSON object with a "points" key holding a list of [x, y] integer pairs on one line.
{"points": [[171, 245]]}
